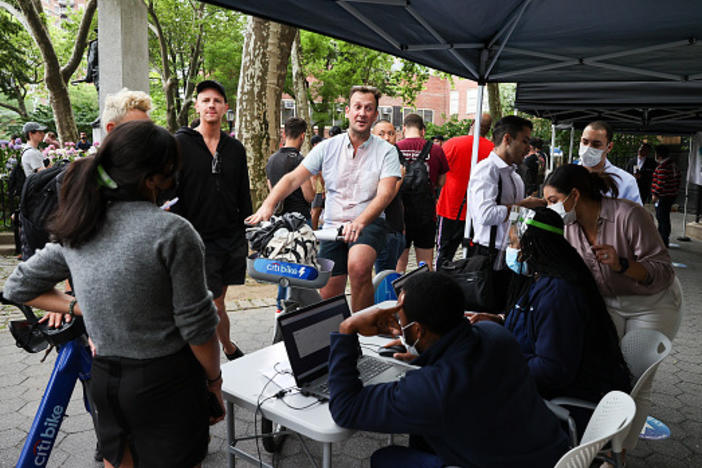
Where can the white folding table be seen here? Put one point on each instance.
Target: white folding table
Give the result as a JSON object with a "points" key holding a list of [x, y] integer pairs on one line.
{"points": [[243, 381]]}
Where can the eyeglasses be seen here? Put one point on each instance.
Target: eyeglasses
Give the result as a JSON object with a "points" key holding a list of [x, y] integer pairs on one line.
{"points": [[216, 164]]}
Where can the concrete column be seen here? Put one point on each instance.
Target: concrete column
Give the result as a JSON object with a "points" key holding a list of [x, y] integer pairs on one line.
{"points": [[123, 48]]}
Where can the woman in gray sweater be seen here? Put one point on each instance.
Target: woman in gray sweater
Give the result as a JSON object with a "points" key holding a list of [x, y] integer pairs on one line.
{"points": [[139, 283]]}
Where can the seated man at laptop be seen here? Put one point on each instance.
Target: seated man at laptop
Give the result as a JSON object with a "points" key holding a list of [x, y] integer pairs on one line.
{"points": [[472, 400]]}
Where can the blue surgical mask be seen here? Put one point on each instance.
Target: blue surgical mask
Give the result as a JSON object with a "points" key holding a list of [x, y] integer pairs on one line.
{"points": [[512, 260]]}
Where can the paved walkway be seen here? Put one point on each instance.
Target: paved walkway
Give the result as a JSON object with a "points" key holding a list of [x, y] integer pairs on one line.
{"points": [[677, 397]]}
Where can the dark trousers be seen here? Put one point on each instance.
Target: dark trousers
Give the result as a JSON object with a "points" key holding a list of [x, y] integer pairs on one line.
{"points": [[448, 239], [663, 217]]}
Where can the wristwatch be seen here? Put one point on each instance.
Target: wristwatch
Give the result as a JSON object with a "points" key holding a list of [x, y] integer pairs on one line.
{"points": [[624, 265]]}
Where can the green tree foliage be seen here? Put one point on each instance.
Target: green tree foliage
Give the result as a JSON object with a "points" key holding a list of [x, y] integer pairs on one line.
{"points": [[21, 64], [198, 41], [333, 66], [451, 128]]}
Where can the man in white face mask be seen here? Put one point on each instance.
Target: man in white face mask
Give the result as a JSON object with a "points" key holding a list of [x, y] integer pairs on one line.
{"points": [[595, 145]]}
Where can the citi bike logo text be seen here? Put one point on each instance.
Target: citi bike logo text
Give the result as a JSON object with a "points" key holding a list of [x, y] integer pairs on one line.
{"points": [[42, 447], [285, 269]]}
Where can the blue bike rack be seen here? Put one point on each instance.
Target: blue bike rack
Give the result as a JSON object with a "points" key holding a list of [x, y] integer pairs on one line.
{"points": [[72, 364]]}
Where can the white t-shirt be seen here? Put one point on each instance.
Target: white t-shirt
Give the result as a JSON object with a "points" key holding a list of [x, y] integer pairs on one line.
{"points": [[32, 159], [351, 181]]}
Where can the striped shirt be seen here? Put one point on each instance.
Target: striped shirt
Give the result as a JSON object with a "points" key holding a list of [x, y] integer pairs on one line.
{"points": [[666, 179]]}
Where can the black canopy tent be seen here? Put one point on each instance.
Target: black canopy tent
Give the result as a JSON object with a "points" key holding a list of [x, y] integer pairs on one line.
{"points": [[662, 108], [512, 40]]}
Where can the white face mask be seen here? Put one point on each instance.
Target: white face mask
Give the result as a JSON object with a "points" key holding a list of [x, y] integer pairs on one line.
{"points": [[589, 156], [567, 216], [410, 347]]}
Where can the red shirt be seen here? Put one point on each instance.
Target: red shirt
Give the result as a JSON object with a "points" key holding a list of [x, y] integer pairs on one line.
{"points": [[459, 151]]}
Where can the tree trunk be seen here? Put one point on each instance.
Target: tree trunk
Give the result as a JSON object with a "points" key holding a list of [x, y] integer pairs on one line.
{"points": [[264, 64], [494, 101], [300, 86], [54, 77], [168, 81]]}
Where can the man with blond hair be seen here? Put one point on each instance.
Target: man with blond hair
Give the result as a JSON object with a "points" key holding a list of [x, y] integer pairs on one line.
{"points": [[124, 106]]}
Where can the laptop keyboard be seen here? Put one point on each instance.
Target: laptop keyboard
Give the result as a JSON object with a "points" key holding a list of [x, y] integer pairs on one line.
{"points": [[369, 368]]}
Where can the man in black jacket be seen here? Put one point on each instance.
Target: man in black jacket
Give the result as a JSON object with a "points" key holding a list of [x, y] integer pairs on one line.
{"points": [[213, 194], [472, 402], [642, 167]]}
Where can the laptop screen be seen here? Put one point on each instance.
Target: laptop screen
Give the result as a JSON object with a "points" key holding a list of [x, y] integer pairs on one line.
{"points": [[306, 336], [398, 283]]}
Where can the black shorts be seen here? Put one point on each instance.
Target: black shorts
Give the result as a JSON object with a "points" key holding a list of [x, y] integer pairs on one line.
{"points": [[156, 406], [224, 266], [374, 234], [422, 235]]}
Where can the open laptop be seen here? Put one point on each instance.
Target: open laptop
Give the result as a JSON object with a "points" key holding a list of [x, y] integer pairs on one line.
{"points": [[306, 336]]}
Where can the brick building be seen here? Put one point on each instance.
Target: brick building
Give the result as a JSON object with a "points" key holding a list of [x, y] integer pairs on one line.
{"points": [[61, 8]]}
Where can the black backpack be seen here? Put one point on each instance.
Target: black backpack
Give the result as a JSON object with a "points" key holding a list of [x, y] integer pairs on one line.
{"points": [[38, 202], [17, 177], [416, 190]]}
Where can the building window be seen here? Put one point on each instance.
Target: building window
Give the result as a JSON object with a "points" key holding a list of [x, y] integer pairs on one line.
{"points": [[472, 100], [385, 113], [287, 110], [426, 114], [453, 103]]}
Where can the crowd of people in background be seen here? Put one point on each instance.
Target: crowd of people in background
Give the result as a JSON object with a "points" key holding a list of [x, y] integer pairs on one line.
{"points": [[582, 260]]}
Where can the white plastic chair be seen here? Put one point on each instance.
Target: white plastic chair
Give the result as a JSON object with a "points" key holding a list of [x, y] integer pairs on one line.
{"points": [[610, 421], [643, 351]]}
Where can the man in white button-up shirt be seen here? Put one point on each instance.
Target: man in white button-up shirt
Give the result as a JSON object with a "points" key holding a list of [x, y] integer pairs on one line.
{"points": [[511, 137], [595, 145], [360, 174]]}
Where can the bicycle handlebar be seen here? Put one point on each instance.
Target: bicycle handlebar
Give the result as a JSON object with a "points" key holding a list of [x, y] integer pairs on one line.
{"points": [[26, 310], [24, 333]]}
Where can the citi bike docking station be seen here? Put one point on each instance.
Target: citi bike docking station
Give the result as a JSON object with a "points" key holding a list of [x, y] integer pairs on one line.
{"points": [[301, 283], [72, 364]]}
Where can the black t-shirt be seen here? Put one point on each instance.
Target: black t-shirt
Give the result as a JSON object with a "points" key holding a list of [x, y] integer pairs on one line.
{"points": [[286, 160], [215, 203], [394, 212]]}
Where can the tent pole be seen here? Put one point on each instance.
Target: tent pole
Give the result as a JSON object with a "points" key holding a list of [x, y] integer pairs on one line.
{"points": [[684, 237], [553, 145], [570, 146], [474, 159]]}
